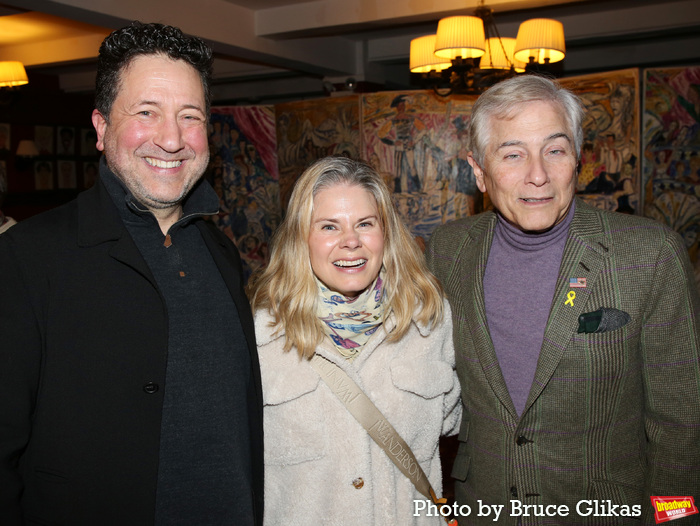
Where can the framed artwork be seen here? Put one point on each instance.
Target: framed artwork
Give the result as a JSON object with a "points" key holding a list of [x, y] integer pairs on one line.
{"points": [[90, 171], [43, 137], [66, 174], [88, 141], [43, 175], [65, 143], [609, 172]]}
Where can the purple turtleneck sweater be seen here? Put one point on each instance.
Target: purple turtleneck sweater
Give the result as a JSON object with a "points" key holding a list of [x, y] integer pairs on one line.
{"points": [[519, 283]]}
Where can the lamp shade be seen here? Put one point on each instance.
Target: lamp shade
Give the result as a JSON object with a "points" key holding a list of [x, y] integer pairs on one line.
{"points": [[460, 36], [12, 74], [499, 55], [27, 148], [540, 40], [423, 59]]}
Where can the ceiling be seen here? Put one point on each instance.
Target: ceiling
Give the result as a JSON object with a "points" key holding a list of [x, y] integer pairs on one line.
{"points": [[272, 50]]}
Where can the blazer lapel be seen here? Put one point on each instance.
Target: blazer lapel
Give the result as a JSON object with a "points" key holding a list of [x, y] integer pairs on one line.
{"points": [[468, 277], [585, 252]]}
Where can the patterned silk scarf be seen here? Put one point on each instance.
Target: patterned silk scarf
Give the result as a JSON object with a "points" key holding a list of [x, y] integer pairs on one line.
{"points": [[349, 322]]}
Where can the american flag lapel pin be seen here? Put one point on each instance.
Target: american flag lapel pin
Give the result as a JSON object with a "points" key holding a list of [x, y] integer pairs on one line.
{"points": [[577, 283]]}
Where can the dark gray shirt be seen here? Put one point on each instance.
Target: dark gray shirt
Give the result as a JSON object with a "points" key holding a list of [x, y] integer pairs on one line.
{"points": [[204, 474]]}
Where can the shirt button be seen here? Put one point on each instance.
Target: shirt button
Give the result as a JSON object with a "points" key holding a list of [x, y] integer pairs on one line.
{"points": [[358, 483], [150, 388]]}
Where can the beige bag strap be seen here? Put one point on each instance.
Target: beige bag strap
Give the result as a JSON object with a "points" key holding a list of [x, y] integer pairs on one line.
{"points": [[378, 427]]}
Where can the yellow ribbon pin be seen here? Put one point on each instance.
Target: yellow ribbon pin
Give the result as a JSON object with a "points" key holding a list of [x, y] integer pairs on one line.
{"points": [[570, 298]]}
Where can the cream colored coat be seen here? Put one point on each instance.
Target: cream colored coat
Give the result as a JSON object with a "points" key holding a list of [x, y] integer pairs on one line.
{"points": [[321, 466]]}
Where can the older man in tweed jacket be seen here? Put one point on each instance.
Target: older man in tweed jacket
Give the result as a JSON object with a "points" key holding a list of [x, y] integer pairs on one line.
{"points": [[576, 333]]}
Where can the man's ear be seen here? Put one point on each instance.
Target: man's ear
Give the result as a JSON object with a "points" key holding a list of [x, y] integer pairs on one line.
{"points": [[478, 172], [100, 124]]}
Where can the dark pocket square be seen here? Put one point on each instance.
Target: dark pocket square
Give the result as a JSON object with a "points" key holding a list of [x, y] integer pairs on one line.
{"points": [[603, 320]]}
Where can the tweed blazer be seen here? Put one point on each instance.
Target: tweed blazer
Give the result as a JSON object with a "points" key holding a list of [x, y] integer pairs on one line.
{"points": [[612, 417]]}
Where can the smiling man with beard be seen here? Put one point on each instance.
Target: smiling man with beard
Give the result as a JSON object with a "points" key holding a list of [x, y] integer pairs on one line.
{"points": [[129, 380]]}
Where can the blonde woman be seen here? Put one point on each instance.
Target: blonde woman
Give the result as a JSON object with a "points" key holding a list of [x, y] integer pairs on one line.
{"points": [[346, 281]]}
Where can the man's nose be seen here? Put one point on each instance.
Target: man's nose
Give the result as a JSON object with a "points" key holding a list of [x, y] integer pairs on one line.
{"points": [[537, 172], [170, 136]]}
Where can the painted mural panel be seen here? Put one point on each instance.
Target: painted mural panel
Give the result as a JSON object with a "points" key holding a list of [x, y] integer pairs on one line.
{"points": [[243, 170], [418, 141], [609, 173], [310, 130], [671, 171]]}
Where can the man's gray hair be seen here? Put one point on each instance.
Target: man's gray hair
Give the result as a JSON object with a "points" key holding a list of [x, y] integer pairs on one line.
{"points": [[502, 100]]}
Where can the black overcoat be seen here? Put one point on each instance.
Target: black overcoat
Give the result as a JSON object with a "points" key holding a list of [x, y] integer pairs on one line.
{"points": [[83, 349]]}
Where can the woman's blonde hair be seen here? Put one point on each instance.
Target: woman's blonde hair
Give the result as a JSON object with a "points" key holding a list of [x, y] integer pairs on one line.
{"points": [[287, 288]]}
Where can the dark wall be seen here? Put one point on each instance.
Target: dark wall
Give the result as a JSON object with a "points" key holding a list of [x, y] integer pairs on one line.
{"points": [[41, 103]]}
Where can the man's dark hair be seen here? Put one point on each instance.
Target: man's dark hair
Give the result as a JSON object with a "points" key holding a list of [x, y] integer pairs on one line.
{"points": [[137, 39]]}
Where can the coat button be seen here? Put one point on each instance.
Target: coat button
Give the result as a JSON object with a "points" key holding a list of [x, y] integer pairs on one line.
{"points": [[514, 491], [150, 388], [358, 483], [521, 440]]}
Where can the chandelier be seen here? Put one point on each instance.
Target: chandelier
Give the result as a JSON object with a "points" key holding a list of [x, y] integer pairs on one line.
{"points": [[468, 55]]}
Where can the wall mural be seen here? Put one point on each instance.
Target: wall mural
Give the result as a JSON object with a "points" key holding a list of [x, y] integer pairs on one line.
{"points": [[671, 167], [313, 129], [243, 170], [417, 141], [610, 169]]}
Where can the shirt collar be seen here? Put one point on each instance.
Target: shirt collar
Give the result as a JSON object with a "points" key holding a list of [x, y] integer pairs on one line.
{"points": [[201, 201]]}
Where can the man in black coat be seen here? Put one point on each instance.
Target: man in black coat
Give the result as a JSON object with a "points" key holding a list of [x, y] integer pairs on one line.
{"points": [[129, 379]]}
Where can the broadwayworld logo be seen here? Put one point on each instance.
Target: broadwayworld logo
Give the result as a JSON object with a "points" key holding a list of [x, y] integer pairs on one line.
{"points": [[670, 508]]}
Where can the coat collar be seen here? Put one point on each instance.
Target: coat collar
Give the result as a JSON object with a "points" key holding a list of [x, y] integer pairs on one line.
{"points": [[277, 366], [98, 217], [101, 221], [200, 201]]}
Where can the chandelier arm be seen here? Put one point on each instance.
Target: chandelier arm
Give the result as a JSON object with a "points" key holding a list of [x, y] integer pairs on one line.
{"points": [[491, 29]]}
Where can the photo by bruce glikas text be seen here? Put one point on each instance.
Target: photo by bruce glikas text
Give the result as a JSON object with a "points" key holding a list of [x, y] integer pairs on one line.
{"points": [[583, 508]]}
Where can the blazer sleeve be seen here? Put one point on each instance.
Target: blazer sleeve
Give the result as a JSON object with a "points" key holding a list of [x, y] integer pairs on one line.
{"points": [[20, 360], [437, 263], [671, 372]]}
